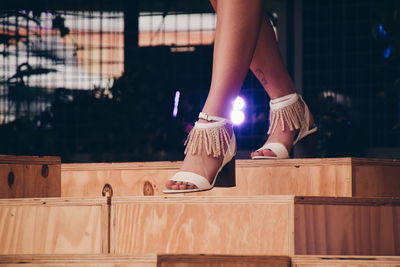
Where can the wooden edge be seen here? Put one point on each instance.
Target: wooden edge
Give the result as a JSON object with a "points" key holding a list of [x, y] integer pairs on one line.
{"points": [[277, 199], [32, 160], [354, 201], [291, 230], [77, 258], [168, 165], [205, 258], [56, 201], [378, 260], [375, 161]]}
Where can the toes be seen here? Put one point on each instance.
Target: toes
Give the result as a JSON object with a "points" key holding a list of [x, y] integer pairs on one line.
{"points": [[191, 186], [183, 186], [268, 153], [265, 152], [174, 185], [256, 153], [169, 184]]}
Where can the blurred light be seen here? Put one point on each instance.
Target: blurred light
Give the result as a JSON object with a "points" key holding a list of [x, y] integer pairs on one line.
{"points": [[382, 31], [237, 117], [238, 103], [176, 103], [237, 114], [387, 52]]}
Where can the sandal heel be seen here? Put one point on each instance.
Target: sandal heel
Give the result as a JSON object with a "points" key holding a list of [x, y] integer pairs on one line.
{"points": [[226, 177], [306, 147]]}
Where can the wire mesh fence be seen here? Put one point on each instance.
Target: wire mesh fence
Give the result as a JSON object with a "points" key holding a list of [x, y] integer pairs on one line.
{"points": [[66, 89]]}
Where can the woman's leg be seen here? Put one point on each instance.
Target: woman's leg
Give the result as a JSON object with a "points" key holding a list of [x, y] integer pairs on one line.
{"points": [[238, 24], [268, 67]]}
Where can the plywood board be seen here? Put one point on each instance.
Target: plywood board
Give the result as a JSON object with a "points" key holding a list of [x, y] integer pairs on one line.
{"points": [[81, 260], [376, 180], [314, 177], [53, 225], [23, 176], [147, 260], [38, 160], [222, 261], [30, 180], [344, 261], [223, 225], [347, 226]]}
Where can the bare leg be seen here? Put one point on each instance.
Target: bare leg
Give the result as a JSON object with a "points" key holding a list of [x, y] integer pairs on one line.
{"points": [[268, 67], [236, 35]]}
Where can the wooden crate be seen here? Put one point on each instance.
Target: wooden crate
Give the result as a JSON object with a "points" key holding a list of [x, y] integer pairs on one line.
{"points": [[80, 260], [258, 225], [263, 225], [202, 225], [344, 261], [54, 225], [23, 176], [342, 177], [347, 226], [147, 260]]}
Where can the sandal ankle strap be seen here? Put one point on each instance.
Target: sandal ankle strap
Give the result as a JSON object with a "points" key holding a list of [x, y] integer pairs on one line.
{"points": [[288, 110], [207, 117], [284, 101]]}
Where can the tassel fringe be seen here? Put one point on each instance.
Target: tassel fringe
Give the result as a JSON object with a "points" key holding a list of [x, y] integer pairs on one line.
{"points": [[291, 115], [214, 140]]}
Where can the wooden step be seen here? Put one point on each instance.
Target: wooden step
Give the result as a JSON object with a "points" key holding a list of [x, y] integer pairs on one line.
{"points": [[344, 261], [203, 225], [342, 177], [23, 176], [53, 225], [258, 225], [263, 225], [147, 260], [347, 226]]}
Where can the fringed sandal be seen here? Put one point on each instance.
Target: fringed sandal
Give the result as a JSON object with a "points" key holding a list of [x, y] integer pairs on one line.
{"points": [[290, 110], [213, 139]]}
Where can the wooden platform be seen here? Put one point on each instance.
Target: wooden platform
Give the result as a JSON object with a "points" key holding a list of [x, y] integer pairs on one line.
{"points": [[147, 260], [264, 225], [110, 215], [343, 261], [53, 225], [343, 177], [259, 225], [23, 176]]}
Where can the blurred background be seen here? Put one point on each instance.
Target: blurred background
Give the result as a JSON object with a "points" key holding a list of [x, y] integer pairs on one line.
{"points": [[102, 81]]}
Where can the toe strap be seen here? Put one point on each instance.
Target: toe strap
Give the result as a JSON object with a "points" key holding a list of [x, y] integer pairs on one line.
{"points": [[280, 150], [190, 177]]}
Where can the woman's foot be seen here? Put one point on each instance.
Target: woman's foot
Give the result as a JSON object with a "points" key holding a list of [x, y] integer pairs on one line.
{"points": [[285, 138], [290, 119], [201, 163]]}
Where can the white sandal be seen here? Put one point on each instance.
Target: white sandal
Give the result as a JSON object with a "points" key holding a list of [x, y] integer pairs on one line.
{"points": [[287, 110], [214, 138]]}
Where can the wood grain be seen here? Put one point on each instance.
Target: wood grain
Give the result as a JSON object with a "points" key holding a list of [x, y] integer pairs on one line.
{"points": [[376, 180], [222, 261], [344, 261], [29, 176], [344, 229], [146, 260], [340, 177], [84, 260], [205, 225], [30, 180], [277, 177], [53, 225], [11, 159]]}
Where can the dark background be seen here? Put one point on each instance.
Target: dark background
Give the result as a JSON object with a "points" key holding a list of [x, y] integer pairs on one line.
{"points": [[343, 55]]}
